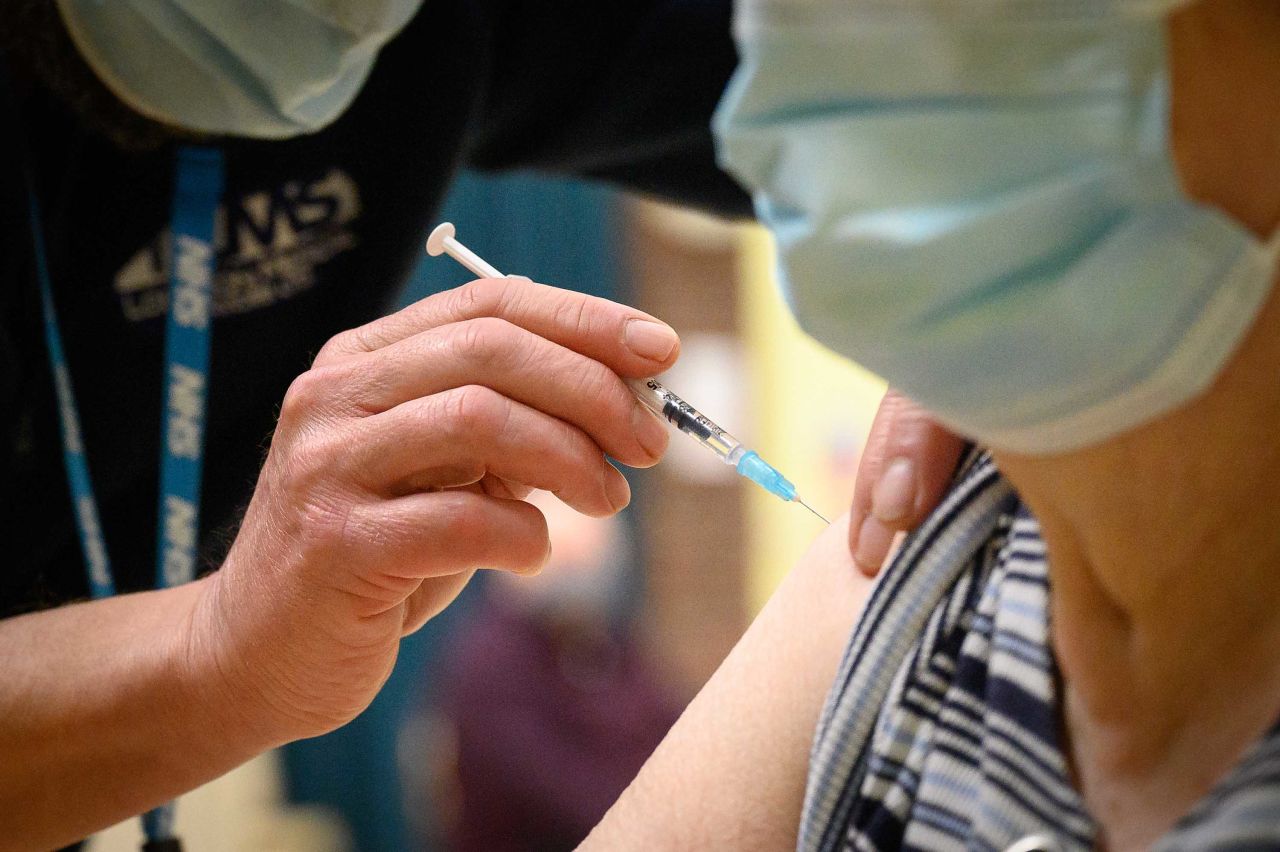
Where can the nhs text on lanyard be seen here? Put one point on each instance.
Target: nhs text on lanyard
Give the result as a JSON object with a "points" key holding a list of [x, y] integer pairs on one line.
{"points": [[198, 184]]}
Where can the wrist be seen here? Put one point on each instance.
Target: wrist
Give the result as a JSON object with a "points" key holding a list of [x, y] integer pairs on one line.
{"points": [[222, 677]]}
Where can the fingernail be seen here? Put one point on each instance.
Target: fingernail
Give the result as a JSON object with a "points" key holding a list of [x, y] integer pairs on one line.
{"points": [[894, 497], [617, 490], [874, 539], [652, 340], [650, 432]]}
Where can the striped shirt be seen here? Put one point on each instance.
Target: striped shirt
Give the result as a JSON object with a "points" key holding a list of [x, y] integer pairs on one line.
{"points": [[941, 730]]}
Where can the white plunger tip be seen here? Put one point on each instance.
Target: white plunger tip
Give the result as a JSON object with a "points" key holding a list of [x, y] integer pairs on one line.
{"points": [[435, 243]]}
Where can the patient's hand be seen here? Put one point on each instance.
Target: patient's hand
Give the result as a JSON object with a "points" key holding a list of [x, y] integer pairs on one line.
{"points": [[905, 469]]}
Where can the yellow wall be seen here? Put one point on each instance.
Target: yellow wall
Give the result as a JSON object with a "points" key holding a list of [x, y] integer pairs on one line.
{"points": [[811, 409]]}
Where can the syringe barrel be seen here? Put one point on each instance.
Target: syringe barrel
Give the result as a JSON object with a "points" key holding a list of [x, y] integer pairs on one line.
{"points": [[686, 418]]}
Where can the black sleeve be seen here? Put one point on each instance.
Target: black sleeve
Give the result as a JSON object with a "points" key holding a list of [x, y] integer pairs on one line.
{"points": [[620, 90]]}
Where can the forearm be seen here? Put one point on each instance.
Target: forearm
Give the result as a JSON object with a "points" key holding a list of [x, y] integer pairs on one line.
{"points": [[108, 710], [731, 773]]}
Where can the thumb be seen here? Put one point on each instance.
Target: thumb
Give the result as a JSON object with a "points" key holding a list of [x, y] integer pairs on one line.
{"points": [[906, 465]]}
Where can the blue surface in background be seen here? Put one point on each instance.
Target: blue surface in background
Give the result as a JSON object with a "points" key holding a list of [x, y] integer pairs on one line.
{"points": [[554, 231]]}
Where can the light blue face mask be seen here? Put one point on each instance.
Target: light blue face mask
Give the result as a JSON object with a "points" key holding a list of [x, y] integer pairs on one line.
{"points": [[258, 68], [977, 200]]}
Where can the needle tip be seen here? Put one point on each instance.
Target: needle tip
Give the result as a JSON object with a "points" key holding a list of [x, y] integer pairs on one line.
{"points": [[811, 509]]}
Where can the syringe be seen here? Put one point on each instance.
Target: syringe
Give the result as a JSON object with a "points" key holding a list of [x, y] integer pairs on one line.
{"points": [[651, 393]]}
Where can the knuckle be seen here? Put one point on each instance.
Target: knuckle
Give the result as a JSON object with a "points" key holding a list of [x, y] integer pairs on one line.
{"points": [[595, 382], [334, 347], [906, 440], [300, 399], [483, 341], [583, 456], [573, 314], [311, 394], [306, 503], [312, 463], [477, 409], [482, 297], [350, 342]]}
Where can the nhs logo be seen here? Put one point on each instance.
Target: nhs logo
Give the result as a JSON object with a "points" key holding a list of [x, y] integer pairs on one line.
{"points": [[269, 245]]}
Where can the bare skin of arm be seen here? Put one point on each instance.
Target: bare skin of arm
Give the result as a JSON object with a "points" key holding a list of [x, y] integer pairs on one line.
{"points": [[731, 773], [131, 714]]}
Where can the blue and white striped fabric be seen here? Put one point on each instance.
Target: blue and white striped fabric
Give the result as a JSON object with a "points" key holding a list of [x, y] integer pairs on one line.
{"points": [[942, 728]]}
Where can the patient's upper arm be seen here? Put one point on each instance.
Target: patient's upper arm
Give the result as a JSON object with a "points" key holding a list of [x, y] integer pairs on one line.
{"points": [[731, 773]]}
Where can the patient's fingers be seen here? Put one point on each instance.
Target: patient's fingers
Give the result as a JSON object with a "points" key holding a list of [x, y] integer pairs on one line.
{"points": [[906, 466]]}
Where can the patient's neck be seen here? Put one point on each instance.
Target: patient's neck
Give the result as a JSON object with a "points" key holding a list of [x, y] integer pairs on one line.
{"points": [[1164, 544], [1164, 548]]}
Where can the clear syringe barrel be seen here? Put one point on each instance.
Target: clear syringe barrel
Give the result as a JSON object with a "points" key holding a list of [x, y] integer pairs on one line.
{"points": [[687, 419], [692, 422]]}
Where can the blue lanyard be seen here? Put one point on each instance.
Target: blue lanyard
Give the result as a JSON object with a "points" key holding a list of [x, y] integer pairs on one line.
{"points": [[197, 191]]}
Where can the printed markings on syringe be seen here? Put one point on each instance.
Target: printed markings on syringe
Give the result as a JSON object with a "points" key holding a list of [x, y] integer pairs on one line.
{"points": [[685, 417], [688, 420]]}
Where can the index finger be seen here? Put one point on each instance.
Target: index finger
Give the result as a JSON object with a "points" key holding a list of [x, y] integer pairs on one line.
{"points": [[628, 341]]}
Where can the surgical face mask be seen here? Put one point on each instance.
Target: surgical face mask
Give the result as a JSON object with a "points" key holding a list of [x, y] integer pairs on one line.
{"points": [[977, 200], [258, 68]]}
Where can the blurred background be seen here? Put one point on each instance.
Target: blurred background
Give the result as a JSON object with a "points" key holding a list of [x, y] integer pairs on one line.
{"points": [[513, 720]]}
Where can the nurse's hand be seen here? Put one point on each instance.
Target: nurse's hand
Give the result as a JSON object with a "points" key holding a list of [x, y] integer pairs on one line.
{"points": [[906, 466], [397, 469]]}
